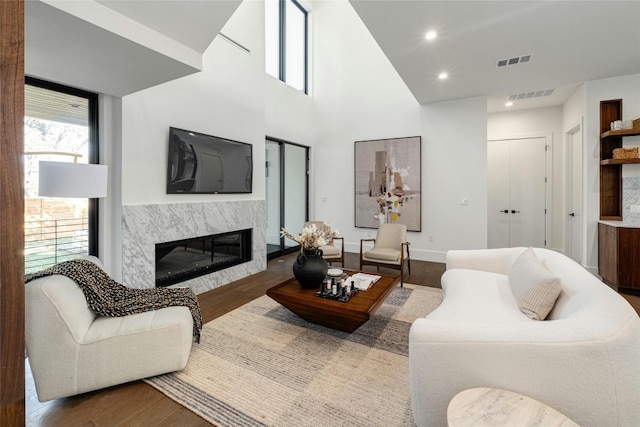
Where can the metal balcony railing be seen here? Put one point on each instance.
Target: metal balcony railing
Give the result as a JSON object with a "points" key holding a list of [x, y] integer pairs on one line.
{"points": [[48, 242]]}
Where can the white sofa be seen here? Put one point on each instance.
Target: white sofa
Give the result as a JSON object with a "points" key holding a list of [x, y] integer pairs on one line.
{"points": [[583, 360], [72, 350]]}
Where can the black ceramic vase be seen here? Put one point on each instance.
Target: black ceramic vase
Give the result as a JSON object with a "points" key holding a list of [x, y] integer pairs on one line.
{"points": [[310, 268]]}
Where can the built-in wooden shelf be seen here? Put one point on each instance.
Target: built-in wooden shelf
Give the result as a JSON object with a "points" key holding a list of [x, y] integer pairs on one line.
{"points": [[624, 132], [610, 168], [618, 162], [611, 218]]}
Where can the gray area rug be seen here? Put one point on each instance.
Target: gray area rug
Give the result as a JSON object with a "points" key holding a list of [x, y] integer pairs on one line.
{"points": [[261, 365]]}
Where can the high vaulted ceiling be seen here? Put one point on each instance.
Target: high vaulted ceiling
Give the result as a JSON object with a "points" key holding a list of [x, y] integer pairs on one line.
{"points": [[118, 47], [570, 42], [122, 46], [193, 23]]}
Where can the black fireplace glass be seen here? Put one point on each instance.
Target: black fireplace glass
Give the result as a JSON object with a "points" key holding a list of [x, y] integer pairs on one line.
{"points": [[186, 259]]}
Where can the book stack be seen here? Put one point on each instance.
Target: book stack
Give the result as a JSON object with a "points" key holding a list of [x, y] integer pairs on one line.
{"points": [[363, 281]]}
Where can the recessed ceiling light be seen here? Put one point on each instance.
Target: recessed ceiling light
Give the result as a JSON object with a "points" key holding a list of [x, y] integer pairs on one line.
{"points": [[508, 104], [430, 35], [443, 76]]}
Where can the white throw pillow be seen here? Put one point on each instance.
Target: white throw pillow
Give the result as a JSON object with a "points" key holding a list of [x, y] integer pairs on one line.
{"points": [[536, 289]]}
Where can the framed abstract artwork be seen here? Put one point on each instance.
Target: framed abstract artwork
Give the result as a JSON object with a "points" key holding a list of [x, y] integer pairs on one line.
{"points": [[388, 180]]}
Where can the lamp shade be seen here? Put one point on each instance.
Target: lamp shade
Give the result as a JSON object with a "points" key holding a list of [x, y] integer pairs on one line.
{"points": [[72, 180]]}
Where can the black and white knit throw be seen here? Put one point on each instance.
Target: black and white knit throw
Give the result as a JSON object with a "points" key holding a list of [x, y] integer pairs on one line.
{"points": [[107, 297]]}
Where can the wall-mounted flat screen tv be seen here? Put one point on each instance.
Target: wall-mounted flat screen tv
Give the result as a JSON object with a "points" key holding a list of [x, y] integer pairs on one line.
{"points": [[207, 164]]}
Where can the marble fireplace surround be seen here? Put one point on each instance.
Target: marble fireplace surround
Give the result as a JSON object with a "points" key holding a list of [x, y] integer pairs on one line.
{"points": [[145, 225], [630, 196]]}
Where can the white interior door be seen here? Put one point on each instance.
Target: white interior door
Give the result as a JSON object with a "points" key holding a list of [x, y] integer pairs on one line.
{"points": [[574, 196], [517, 185], [498, 172], [527, 212]]}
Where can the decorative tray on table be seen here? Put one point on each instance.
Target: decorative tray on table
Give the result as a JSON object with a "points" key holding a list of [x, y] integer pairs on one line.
{"points": [[336, 287]]}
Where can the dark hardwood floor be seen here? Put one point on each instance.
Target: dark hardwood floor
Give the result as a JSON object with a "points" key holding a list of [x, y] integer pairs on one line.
{"points": [[138, 404]]}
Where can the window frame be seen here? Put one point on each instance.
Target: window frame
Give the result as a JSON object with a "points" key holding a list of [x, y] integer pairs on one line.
{"points": [[282, 203], [282, 46], [93, 148]]}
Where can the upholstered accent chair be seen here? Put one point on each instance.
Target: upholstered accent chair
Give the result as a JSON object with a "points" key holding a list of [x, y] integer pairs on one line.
{"points": [[73, 350], [390, 249], [330, 252]]}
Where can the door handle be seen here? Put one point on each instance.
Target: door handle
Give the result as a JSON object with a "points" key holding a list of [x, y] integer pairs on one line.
{"points": [[572, 214], [504, 211], [512, 211]]}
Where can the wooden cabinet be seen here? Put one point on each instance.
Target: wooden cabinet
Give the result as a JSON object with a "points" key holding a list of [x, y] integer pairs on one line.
{"points": [[618, 255], [610, 168]]}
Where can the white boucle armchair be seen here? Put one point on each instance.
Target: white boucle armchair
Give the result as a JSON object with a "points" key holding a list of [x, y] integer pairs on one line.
{"points": [[72, 350], [583, 361]]}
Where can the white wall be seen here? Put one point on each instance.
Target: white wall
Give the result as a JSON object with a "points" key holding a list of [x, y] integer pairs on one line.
{"points": [[574, 109], [455, 167], [539, 122], [289, 116], [626, 88], [356, 95], [226, 99], [359, 96], [583, 107], [289, 113]]}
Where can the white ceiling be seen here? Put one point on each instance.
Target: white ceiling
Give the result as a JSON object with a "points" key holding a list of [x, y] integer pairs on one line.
{"points": [[194, 23], [119, 47], [571, 42], [122, 46]]}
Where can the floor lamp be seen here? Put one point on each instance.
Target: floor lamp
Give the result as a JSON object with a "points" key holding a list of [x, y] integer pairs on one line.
{"points": [[72, 180], [75, 180]]}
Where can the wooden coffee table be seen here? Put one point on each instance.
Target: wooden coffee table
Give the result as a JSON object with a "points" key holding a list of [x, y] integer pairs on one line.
{"points": [[344, 316]]}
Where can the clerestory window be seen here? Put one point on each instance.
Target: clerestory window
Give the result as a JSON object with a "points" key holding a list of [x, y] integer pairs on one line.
{"points": [[286, 39]]}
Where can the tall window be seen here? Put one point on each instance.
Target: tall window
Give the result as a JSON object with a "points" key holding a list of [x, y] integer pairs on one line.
{"points": [[286, 42], [60, 125]]}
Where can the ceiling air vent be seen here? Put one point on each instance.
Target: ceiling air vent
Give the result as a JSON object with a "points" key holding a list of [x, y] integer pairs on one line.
{"points": [[513, 61], [529, 95]]}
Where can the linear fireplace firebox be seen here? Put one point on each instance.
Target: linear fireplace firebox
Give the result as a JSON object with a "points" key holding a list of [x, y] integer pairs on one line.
{"points": [[186, 259]]}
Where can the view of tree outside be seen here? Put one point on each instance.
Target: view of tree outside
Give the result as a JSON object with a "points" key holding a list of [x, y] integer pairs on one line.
{"points": [[56, 229]]}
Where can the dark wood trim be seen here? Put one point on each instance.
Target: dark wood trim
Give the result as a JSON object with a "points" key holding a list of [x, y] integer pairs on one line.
{"points": [[12, 380], [611, 173]]}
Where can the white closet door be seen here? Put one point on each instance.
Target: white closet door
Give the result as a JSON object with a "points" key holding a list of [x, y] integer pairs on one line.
{"points": [[498, 172], [528, 192], [516, 180]]}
